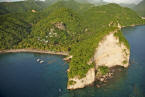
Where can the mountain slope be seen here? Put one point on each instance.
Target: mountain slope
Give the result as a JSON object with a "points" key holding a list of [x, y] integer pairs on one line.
{"points": [[97, 21], [58, 30], [15, 27], [79, 33], [68, 27], [20, 7], [140, 8]]}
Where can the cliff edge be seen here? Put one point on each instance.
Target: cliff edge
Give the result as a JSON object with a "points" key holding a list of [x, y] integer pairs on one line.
{"points": [[110, 52]]}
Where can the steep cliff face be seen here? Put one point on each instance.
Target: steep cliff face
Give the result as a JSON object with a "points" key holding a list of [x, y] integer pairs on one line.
{"points": [[81, 83], [110, 52]]}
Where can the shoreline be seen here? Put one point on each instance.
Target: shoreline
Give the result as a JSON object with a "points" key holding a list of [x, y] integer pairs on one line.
{"points": [[33, 51], [102, 80], [122, 27]]}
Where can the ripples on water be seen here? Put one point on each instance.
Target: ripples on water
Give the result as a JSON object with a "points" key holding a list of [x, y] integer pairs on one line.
{"points": [[22, 76]]}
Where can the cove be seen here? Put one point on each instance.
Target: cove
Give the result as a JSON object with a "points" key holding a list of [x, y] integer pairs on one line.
{"points": [[22, 76]]}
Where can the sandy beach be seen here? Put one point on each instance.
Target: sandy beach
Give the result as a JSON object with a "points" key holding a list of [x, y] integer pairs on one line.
{"points": [[34, 51]]}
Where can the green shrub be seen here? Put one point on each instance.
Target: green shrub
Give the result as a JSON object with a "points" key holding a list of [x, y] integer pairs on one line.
{"points": [[125, 62], [71, 82], [103, 69], [122, 39]]}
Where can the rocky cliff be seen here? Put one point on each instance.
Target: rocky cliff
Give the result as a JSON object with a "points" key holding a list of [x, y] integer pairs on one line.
{"points": [[81, 83], [110, 52]]}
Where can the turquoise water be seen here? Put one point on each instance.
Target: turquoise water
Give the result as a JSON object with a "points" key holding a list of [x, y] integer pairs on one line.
{"points": [[22, 76]]}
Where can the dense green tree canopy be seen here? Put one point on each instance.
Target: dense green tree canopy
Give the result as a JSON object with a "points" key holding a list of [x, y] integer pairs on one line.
{"points": [[65, 26]]}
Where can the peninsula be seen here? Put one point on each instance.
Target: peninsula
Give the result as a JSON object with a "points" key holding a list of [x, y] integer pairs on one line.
{"points": [[91, 35]]}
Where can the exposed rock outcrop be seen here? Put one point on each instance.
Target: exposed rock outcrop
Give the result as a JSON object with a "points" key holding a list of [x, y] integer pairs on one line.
{"points": [[110, 52], [67, 58], [60, 25], [33, 11], [102, 79], [143, 17], [81, 83]]}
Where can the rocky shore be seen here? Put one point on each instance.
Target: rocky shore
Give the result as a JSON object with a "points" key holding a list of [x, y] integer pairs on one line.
{"points": [[101, 80]]}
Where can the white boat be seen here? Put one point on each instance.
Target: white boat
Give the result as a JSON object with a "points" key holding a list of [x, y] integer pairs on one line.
{"points": [[41, 61], [59, 90], [38, 60]]}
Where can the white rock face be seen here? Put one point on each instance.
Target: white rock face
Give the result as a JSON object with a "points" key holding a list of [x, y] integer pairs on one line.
{"points": [[81, 83], [111, 53]]}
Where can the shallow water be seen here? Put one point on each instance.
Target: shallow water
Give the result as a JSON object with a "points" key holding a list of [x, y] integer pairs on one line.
{"points": [[22, 76]]}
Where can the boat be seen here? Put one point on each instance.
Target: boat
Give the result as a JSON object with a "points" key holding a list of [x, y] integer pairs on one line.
{"points": [[38, 60], [59, 90], [41, 61]]}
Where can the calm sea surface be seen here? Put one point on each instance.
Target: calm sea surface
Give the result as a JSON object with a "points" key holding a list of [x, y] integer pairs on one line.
{"points": [[22, 76]]}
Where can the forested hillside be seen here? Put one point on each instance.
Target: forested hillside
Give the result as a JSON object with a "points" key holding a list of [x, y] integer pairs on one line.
{"points": [[21, 7], [99, 21], [140, 8], [65, 27], [15, 27], [16, 21], [56, 32]]}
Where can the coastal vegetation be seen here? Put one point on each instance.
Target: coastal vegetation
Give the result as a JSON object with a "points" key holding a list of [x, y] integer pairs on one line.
{"points": [[103, 70], [76, 29], [122, 39], [71, 82]]}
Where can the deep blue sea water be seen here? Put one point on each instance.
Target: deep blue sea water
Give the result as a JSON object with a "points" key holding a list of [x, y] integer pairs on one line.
{"points": [[22, 76]]}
